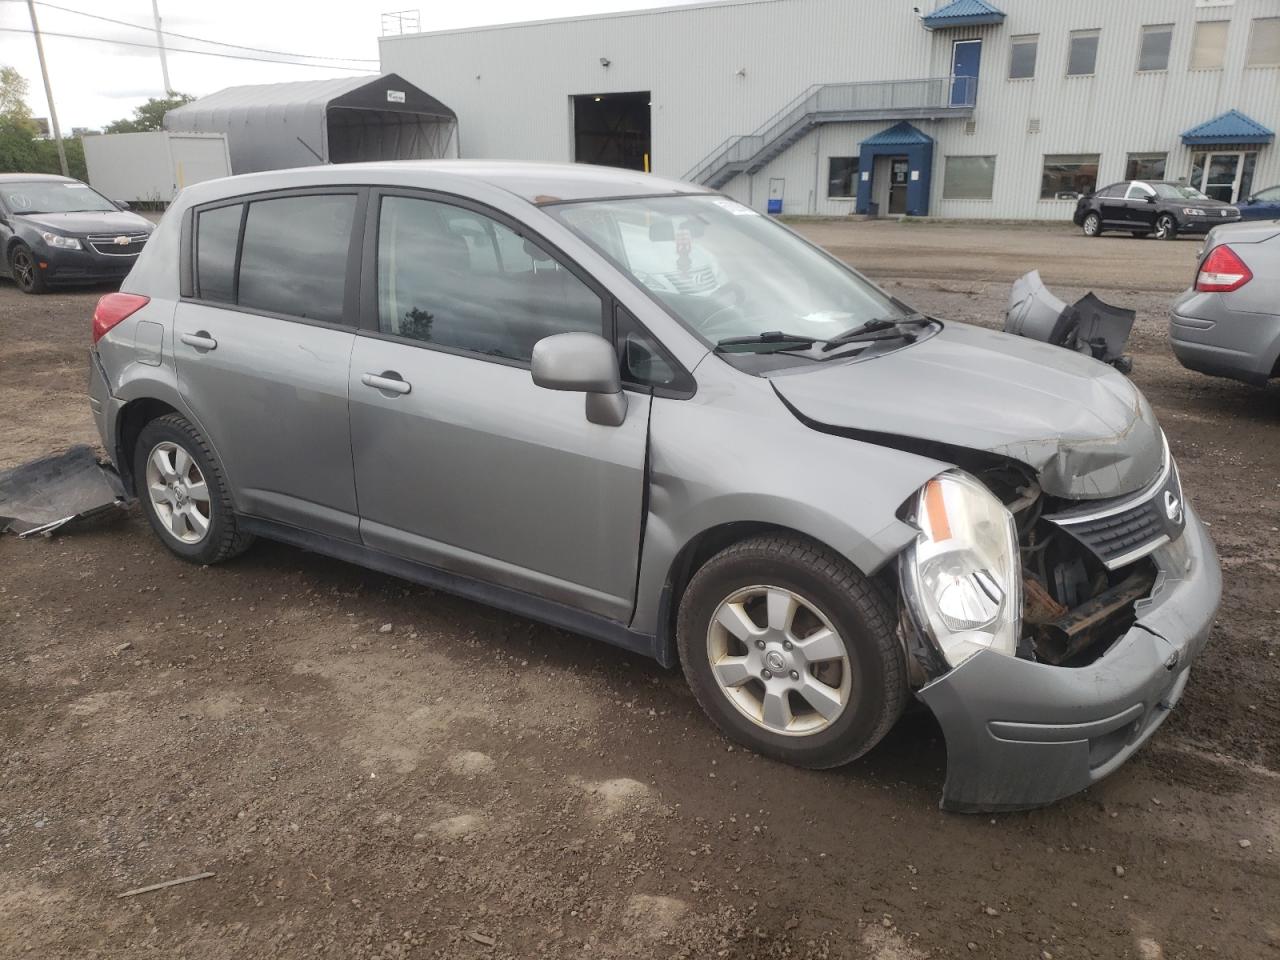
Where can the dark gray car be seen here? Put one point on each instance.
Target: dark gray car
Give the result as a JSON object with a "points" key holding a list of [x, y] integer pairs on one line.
{"points": [[1228, 323], [638, 410]]}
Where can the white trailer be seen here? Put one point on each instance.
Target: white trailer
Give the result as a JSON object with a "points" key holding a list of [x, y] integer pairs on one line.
{"points": [[152, 167]]}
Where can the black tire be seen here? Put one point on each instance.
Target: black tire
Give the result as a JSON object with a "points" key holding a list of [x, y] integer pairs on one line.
{"points": [[1166, 227], [223, 539], [1091, 225], [24, 269], [855, 607]]}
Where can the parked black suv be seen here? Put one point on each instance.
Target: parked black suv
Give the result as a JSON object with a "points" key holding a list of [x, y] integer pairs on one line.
{"points": [[1151, 207], [59, 230]]}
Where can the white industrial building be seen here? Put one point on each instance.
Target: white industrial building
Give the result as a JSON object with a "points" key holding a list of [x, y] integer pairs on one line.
{"points": [[954, 108]]}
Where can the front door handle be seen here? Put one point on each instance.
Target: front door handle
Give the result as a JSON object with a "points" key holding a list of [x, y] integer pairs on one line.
{"points": [[200, 340], [388, 382]]}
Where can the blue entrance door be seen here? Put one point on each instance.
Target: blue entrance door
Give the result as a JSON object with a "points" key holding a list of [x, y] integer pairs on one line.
{"points": [[966, 55]]}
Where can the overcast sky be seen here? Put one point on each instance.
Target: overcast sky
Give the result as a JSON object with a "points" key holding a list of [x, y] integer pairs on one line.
{"points": [[95, 82]]}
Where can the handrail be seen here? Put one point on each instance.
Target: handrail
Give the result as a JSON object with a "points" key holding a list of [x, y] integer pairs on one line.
{"points": [[866, 95]]}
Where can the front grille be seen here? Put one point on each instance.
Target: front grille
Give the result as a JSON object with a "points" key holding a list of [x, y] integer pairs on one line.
{"points": [[110, 245], [1121, 531]]}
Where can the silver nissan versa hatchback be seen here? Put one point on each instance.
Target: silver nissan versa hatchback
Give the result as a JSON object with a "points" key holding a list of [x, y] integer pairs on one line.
{"points": [[641, 411]]}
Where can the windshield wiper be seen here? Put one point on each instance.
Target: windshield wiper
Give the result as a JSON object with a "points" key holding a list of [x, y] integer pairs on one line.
{"points": [[767, 339], [860, 332]]}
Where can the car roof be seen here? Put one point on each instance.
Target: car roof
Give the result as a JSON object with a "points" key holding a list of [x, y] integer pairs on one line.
{"points": [[538, 183], [28, 177]]}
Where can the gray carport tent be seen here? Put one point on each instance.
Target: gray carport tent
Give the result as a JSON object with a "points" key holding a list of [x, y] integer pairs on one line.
{"points": [[278, 125]]}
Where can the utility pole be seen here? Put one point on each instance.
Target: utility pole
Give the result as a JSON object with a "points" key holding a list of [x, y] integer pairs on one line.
{"points": [[48, 91], [164, 63]]}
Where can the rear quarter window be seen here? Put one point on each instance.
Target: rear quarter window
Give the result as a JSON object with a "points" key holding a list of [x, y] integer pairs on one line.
{"points": [[217, 233]]}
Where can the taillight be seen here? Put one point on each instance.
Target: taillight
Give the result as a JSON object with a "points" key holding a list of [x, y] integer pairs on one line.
{"points": [[1222, 271], [113, 308]]}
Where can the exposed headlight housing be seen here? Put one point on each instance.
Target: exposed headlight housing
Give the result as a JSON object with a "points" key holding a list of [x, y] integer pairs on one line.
{"points": [[962, 578], [59, 241], [1193, 211]]}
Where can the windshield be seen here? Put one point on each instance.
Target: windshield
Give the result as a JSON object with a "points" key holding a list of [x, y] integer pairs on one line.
{"points": [[1176, 191], [53, 196], [725, 270]]}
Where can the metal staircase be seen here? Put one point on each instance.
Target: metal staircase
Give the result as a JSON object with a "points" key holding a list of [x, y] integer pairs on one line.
{"points": [[933, 98]]}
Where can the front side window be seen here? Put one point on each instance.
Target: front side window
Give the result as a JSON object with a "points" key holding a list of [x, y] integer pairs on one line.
{"points": [[294, 257], [724, 270], [968, 178], [459, 279], [1264, 43], [1145, 166], [1082, 55], [1139, 191], [1022, 57], [1209, 45], [1270, 195], [1068, 176], [1156, 41], [217, 234], [842, 177]]}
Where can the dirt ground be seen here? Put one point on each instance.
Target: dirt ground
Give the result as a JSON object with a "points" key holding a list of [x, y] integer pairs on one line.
{"points": [[373, 769]]}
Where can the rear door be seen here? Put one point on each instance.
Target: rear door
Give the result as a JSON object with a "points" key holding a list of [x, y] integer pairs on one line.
{"points": [[263, 345], [461, 461], [1111, 205]]}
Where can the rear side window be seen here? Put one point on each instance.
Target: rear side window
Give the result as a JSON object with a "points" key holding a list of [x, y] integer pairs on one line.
{"points": [[217, 233], [294, 259]]}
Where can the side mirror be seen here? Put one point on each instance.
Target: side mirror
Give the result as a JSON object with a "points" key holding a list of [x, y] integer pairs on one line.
{"points": [[1150, 197], [121, 204], [582, 363]]}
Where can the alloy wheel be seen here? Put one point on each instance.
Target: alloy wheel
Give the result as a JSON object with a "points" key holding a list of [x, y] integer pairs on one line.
{"points": [[178, 492], [1164, 228], [1091, 225], [779, 661], [24, 269]]}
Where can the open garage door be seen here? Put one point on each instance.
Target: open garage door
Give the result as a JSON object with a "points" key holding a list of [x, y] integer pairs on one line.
{"points": [[612, 129]]}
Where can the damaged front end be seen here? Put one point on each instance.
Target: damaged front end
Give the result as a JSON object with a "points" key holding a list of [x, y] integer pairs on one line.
{"points": [[1047, 669]]}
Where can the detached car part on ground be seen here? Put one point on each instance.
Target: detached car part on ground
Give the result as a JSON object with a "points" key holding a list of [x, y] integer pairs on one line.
{"points": [[1228, 323], [813, 499], [57, 231], [1088, 326]]}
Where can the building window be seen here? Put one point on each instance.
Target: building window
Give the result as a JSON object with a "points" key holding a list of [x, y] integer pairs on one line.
{"points": [[1156, 41], [1209, 45], [1145, 166], [842, 177], [1068, 176], [1264, 43], [968, 178], [1082, 56], [1022, 57]]}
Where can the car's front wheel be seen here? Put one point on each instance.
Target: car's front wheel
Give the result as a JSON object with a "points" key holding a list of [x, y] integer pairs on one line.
{"points": [[183, 492], [791, 651], [1166, 227], [1092, 225], [25, 270]]}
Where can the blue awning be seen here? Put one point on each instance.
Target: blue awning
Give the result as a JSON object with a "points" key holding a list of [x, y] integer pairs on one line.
{"points": [[962, 13], [1232, 127], [899, 135]]}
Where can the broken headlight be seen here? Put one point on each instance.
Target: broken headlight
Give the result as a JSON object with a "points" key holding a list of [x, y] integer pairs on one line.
{"points": [[962, 578]]}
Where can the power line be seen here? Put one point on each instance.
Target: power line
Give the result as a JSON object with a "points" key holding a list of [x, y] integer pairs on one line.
{"points": [[187, 36], [202, 53]]}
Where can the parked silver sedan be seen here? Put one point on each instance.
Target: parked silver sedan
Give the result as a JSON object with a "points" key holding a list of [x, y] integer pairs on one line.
{"points": [[639, 410], [1228, 323]]}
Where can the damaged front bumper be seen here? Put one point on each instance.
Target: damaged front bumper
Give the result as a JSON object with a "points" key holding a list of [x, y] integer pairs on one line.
{"points": [[1022, 734]]}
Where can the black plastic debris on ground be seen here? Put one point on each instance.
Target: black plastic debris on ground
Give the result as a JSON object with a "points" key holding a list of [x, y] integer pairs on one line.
{"points": [[46, 494], [1089, 326]]}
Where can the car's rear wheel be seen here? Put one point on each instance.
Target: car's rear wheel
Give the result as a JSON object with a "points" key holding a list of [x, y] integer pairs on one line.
{"points": [[1091, 225], [183, 492], [1166, 227], [791, 651], [25, 270]]}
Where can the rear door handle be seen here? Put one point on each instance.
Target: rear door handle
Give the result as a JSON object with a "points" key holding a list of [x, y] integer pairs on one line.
{"points": [[388, 381], [200, 340]]}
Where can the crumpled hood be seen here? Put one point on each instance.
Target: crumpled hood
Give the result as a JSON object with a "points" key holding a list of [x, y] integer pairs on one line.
{"points": [[1083, 427], [87, 222]]}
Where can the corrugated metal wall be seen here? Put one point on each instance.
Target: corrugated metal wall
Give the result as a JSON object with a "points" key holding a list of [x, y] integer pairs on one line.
{"points": [[721, 70]]}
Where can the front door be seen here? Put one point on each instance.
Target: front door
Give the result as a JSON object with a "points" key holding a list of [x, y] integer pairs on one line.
{"points": [[461, 461], [966, 57], [262, 355], [899, 180]]}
